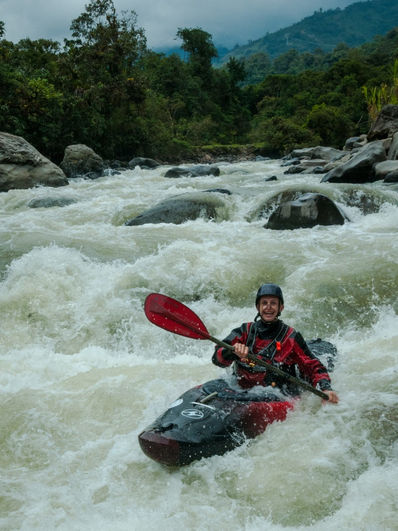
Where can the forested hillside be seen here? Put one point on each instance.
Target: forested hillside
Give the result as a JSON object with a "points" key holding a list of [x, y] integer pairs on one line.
{"points": [[103, 87], [358, 23]]}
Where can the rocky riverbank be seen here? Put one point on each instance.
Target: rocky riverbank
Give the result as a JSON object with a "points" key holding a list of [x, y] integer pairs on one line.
{"points": [[364, 159]]}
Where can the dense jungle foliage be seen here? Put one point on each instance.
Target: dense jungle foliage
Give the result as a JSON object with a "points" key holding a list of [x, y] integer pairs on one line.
{"points": [[103, 87]]}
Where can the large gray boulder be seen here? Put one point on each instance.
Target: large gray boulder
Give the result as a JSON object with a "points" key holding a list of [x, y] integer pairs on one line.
{"points": [[80, 160], [179, 209], [386, 123], [361, 167], [305, 212], [22, 166]]}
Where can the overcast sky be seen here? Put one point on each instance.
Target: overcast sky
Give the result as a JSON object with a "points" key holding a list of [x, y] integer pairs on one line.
{"points": [[230, 22]]}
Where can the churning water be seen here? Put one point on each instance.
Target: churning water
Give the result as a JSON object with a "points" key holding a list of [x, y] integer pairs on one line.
{"points": [[82, 371]]}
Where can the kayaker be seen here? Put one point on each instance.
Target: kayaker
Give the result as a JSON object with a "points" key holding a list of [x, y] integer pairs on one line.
{"points": [[275, 342]]}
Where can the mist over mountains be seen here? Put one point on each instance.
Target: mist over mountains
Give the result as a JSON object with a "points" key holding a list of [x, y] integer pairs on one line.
{"points": [[354, 25]]}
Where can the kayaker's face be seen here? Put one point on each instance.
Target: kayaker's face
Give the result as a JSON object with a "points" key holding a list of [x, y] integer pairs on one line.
{"points": [[269, 308]]}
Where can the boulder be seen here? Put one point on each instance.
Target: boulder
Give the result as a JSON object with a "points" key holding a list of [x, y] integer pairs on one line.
{"points": [[393, 151], [80, 160], [22, 166], [359, 168], [391, 177], [355, 142], [386, 123], [144, 163], [179, 209], [317, 152], [294, 169], [382, 169], [305, 212], [193, 171]]}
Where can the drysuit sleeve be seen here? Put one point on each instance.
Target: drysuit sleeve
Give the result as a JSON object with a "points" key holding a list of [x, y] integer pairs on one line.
{"points": [[223, 357], [310, 365]]}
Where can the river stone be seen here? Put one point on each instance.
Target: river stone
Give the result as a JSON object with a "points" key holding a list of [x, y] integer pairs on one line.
{"points": [[193, 171], [48, 202], [144, 163], [391, 177], [317, 152], [179, 209], [305, 212], [80, 160], [22, 166], [355, 142], [219, 191], [382, 169], [359, 168], [294, 169]]}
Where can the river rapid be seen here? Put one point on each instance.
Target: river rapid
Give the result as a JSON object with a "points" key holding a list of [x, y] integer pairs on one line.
{"points": [[82, 371]]}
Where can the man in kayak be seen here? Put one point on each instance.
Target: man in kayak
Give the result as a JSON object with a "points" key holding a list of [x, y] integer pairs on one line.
{"points": [[272, 340]]}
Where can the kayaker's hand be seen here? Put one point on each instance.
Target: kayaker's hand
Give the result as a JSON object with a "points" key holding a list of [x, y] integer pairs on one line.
{"points": [[242, 351], [333, 398]]}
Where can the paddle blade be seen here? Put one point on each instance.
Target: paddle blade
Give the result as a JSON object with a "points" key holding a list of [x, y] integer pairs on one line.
{"points": [[174, 316]]}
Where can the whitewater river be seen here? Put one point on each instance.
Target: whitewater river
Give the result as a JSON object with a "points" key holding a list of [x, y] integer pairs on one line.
{"points": [[82, 371]]}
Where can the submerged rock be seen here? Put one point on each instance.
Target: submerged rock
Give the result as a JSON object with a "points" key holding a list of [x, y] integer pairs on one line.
{"points": [[22, 166], [179, 209], [305, 212], [219, 191], [193, 171], [49, 202]]}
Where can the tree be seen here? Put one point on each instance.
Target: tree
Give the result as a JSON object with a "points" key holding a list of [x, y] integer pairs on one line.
{"points": [[102, 77], [103, 44], [199, 45]]}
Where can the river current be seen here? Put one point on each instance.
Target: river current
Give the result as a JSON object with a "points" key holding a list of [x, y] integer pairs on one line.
{"points": [[82, 371]]}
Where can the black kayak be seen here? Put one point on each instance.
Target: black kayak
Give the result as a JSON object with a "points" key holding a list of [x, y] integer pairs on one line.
{"points": [[217, 416]]}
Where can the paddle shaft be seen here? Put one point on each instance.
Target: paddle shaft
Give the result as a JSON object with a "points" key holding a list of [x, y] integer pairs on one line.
{"points": [[273, 369]]}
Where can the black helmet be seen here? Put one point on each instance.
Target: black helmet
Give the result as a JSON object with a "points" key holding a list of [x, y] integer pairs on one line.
{"points": [[269, 289]]}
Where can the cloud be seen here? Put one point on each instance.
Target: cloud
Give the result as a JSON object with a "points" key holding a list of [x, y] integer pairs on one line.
{"points": [[230, 22]]}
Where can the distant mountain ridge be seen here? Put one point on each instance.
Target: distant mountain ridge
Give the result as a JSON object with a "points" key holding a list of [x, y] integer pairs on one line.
{"points": [[356, 24]]}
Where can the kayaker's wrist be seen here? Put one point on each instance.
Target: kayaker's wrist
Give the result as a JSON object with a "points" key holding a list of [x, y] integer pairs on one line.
{"points": [[324, 385]]}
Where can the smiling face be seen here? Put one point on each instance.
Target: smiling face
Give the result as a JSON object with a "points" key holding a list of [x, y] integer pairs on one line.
{"points": [[269, 308]]}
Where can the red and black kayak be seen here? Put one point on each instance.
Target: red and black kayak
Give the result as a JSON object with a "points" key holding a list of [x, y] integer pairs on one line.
{"points": [[210, 419], [215, 417]]}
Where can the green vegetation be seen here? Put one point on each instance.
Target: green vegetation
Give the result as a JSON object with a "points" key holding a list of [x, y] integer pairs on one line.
{"points": [[377, 97], [324, 30], [103, 87]]}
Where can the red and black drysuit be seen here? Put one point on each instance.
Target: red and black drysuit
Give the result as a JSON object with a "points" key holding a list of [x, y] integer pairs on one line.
{"points": [[294, 356]]}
